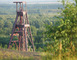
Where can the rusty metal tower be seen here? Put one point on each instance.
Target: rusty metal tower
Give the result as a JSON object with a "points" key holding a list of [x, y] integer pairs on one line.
{"points": [[21, 29]]}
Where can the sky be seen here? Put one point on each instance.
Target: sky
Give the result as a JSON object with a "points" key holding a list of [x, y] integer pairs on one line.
{"points": [[28, 1]]}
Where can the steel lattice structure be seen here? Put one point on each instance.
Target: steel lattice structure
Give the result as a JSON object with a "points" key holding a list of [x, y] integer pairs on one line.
{"points": [[21, 29]]}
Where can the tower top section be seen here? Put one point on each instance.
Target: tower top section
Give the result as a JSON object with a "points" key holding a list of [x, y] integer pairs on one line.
{"points": [[20, 6], [19, 2]]}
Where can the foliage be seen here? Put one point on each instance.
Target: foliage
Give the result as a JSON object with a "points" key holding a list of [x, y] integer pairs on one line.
{"points": [[60, 33], [64, 34], [65, 56], [9, 9], [37, 22]]}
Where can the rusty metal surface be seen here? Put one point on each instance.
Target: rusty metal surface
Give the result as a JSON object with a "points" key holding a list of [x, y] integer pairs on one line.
{"points": [[21, 30]]}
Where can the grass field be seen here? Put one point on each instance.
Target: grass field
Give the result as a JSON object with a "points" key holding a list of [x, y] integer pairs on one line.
{"points": [[6, 54]]}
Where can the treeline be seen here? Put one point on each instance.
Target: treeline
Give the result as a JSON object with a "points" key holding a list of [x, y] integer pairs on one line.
{"points": [[37, 22], [9, 9], [39, 16]]}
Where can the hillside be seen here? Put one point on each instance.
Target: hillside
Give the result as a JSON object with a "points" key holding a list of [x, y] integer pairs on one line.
{"points": [[10, 9], [54, 32]]}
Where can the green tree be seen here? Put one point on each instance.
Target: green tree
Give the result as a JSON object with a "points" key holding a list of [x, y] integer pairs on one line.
{"points": [[1, 26], [64, 35]]}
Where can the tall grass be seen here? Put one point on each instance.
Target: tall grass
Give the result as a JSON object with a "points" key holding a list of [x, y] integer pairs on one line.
{"points": [[64, 56], [6, 55]]}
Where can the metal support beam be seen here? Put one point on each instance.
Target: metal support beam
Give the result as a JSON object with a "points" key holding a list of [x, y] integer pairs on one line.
{"points": [[21, 28]]}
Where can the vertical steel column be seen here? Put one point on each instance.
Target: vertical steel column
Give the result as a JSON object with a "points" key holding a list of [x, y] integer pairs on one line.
{"points": [[25, 35], [30, 32], [20, 30], [13, 30], [23, 41], [16, 7], [22, 7]]}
